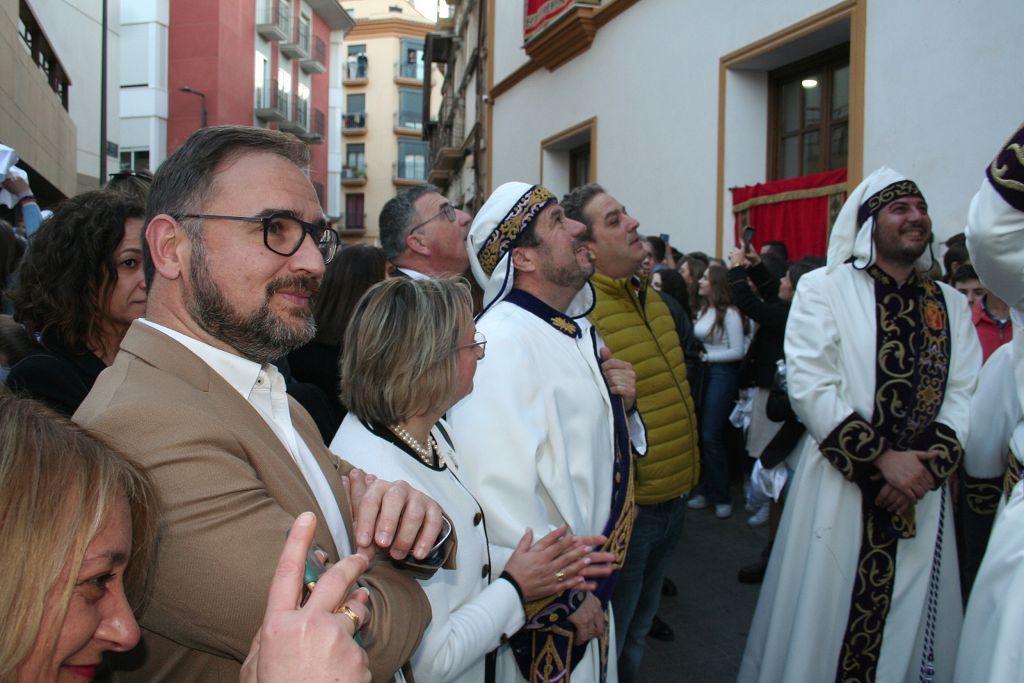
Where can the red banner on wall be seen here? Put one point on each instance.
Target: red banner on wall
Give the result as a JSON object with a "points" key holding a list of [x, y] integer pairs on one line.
{"points": [[797, 211], [539, 14]]}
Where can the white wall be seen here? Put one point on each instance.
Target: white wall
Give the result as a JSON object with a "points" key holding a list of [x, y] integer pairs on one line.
{"points": [[73, 28], [335, 108], [943, 90], [942, 96], [143, 93], [651, 79]]}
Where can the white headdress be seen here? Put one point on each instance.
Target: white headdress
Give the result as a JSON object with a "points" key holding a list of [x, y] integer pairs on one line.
{"points": [[510, 210], [853, 232]]}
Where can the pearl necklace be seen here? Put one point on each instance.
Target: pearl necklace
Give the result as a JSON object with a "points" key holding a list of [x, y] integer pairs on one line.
{"points": [[425, 453]]}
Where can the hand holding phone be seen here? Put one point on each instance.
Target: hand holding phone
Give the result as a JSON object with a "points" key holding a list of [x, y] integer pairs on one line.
{"points": [[748, 237], [314, 641]]}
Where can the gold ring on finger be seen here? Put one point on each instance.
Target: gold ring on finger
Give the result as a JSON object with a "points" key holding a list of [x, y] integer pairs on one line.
{"points": [[560, 575], [351, 614]]}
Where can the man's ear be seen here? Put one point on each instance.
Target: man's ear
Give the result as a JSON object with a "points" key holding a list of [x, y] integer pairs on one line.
{"points": [[523, 259], [416, 244], [168, 246]]}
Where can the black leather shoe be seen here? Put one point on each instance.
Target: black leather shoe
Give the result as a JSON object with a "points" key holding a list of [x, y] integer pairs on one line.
{"points": [[753, 573], [661, 631], [668, 589]]}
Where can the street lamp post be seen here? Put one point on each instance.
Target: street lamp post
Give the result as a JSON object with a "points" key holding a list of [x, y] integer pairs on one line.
{"points": [[202, 101]]}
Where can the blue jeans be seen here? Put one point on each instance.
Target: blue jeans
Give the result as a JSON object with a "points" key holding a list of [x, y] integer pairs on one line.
{"points": [[718, 403], [638, 592]]}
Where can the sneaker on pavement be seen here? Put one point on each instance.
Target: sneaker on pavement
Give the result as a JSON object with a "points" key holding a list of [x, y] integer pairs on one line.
{"points": [[697, 502], [723, 510], [759, 518]]}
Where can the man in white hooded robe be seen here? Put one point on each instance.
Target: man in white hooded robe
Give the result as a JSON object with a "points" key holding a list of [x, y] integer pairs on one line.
{"points": [[544, 437], [862, 584], [990, 647]]}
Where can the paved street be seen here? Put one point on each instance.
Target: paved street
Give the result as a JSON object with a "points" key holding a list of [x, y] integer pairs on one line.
{"points": [[712, 612]]}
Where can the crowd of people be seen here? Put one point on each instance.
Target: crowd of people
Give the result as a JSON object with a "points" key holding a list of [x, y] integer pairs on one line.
{"points": [[467, 454]]}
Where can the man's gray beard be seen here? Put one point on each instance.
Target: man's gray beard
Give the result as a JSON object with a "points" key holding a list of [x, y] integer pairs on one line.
{"points": [[571, 276], [261, 336]]}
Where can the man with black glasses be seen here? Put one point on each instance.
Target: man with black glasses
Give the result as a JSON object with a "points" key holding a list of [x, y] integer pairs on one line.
{"points": [[423, 234], [193, 397]]}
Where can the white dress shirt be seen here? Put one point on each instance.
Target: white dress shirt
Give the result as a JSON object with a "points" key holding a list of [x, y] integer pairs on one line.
{"points": [[413, 274]]}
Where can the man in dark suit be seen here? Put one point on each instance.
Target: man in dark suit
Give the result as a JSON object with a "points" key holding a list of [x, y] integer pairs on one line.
{"points": [[192, 396], [423, 234]]}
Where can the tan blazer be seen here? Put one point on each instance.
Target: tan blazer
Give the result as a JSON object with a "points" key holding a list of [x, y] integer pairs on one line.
{"points": [[229, 492]]}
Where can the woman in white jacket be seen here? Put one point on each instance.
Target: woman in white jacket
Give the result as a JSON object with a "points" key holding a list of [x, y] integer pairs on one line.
{"points": [[411, 353], [722, 329]]}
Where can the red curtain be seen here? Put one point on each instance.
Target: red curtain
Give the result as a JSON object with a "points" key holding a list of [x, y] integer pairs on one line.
{"points": [[797, 211]]}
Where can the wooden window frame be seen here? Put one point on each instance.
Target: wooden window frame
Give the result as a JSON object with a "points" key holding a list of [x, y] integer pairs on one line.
{"points": [[585, 132], [827, 61]]}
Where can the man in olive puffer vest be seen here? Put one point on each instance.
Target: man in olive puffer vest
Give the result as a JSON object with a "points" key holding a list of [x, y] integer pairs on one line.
{"points": [[638, 327]]}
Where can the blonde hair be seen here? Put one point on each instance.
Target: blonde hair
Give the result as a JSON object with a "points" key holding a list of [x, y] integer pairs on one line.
{"points": [[57, 484], [400, 355]]}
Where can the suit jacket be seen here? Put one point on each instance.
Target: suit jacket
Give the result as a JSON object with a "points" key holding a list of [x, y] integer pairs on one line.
{"points": [[229, 492]]}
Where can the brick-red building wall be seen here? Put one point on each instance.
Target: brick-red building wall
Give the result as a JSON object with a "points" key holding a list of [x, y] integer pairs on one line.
{"points": [[212, 49]]}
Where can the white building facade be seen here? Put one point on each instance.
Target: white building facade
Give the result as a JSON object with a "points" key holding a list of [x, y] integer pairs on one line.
{"points": [[668, 104], [144, 31]]}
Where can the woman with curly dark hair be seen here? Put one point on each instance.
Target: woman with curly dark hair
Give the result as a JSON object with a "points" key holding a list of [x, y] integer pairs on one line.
{"points": [[80, 287]]}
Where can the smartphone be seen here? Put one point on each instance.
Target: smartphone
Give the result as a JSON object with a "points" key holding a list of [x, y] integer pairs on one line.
{"points": [[748, 236], [664, 237], [316, 565]]}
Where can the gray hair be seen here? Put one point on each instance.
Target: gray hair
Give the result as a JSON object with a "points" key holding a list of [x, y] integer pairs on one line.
{"points": [[396, 218]]}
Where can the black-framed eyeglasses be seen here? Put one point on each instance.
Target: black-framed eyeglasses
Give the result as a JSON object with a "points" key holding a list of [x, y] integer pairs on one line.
{"points": [[283, 233], [479, 342], [447, 210], [141, 174]]}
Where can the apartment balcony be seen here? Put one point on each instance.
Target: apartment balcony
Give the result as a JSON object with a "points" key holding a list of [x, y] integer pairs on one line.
{"points": [[298, 124], [315, 135], [351, 224], [299, 45], [271, 23], [409, 173], [317, 62], [353, 176], [447, 139], [409, 74], [409, 123], [266, 105], [357, 70], [354, 123]]}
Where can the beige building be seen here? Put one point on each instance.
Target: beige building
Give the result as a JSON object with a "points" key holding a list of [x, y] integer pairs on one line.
{"points": [[50, 92], [382, 150]]}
